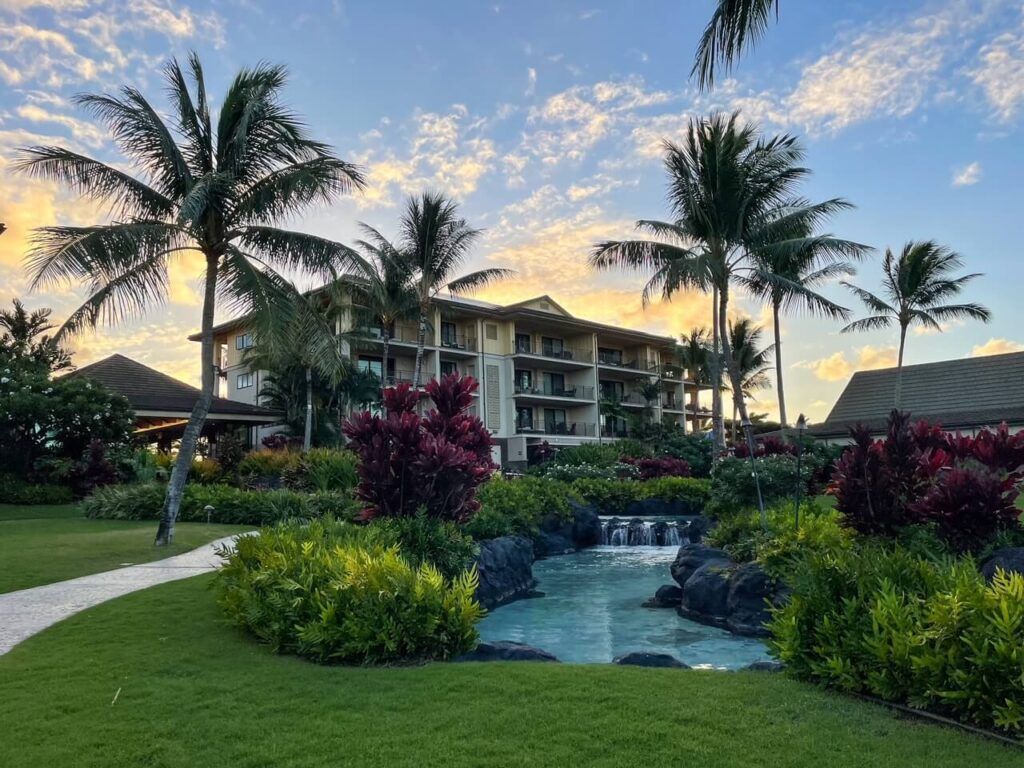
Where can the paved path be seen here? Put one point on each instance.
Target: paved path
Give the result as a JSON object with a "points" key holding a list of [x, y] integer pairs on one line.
{"points": [[28, 611]]}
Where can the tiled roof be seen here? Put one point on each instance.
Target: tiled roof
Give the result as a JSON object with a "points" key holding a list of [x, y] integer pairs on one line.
{"points": [[958, 394], [150, 390]]}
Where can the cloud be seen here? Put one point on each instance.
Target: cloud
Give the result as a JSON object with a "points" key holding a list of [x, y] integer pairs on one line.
{"points": [[531, 82], [84, 131], [968, 175], [837, 366], [996, 347], [1000, 73]]}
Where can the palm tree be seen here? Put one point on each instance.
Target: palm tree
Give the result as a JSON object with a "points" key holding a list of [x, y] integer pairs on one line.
{"points": [[216, 190], [24, 337], [787, 280], [752, 361], [385, 293], [734, 26], [732, 194], [435, 242], [915, 284]]}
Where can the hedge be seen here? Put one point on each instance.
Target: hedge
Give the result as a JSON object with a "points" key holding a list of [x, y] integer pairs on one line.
{"points": [[16, 491]]}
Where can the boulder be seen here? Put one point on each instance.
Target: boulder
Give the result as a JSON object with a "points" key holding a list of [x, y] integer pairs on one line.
{"points": [[667, 596], [1010, 559], [706, 593], [751, 591], [690, 557], [586, 526], [505, 569], [696, 529], [642, 659], [548, 544], [503, 650]]}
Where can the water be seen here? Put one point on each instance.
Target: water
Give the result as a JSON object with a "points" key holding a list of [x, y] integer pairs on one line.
{"points": [[591, 613], [641, 532]]}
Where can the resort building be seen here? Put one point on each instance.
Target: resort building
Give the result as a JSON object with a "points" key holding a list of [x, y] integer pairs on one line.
{"points": [[960, 395], [544, 374]]}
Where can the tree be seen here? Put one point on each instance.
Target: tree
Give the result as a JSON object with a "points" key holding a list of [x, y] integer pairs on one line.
{"points": [[916, 283], [435, 242], [787, 280], [216, 190], [752, 361], [385, 293], [24, 338], [734, 27], [732, 194]]}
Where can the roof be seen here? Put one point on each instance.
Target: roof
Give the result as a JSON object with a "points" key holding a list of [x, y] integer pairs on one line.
{"points": [[149, 390], [958, 394]]}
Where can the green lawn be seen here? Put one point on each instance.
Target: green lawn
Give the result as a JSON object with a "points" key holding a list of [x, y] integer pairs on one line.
{"points": [[157, 679], [44, 544]]}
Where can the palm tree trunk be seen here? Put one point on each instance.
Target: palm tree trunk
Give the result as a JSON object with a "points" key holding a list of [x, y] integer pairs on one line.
{"points": [[735, 378], [717, 420], [384, 363], [421, 341], [778, 367], [187, 449], [734, 422], [307, 436], [899, 366]]}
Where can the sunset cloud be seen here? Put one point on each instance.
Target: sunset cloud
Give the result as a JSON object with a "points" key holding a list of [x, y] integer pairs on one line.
{"points": [[838, 367], [996, 347]]}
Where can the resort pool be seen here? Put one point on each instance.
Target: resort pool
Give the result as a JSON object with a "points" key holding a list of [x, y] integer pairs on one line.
{"points": [[591, 612]]}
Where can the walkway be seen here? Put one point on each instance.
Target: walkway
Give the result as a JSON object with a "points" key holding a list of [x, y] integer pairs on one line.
{"points": [[28, 611]]}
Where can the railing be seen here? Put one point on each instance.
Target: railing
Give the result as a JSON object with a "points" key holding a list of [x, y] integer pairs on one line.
{"points": [[578, 391], [616, 362], [671, 403], [575, 354], [400, 334], [671, 372], [625, 398], [569, 428], [460, 342], [403, 377], [610, 430]]}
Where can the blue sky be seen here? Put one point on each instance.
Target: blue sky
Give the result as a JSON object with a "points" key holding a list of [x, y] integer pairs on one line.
{"points": [[545, 118]]}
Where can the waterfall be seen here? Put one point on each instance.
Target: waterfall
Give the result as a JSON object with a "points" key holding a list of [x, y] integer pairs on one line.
{"points": [[637, 532]]}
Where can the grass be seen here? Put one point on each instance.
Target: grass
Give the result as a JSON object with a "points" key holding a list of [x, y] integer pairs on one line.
{"points": [[44, 544], [158, 679]]}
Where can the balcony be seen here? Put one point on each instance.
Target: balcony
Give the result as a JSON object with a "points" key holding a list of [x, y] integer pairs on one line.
{"points": [[631, 399], [671, 404], [615, 430], [575, 392], [458, 343], [616, 361], [561, 428], [569, 357], [403, 377], [400, 335]]}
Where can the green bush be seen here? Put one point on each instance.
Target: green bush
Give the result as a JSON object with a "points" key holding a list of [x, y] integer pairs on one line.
{"points": [[517, 506], [594, 454], [322, 469], [570, 472], [880, 620], [320, 592], [780, 548], [16, 491], [206, 471], [732, 482], [265, 469], [613, 497], [230, 505], [423, 539]]}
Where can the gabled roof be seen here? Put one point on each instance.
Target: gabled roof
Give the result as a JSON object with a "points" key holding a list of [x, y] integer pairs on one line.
{"points": [[150, 391], [958, 394], [540, 303]]}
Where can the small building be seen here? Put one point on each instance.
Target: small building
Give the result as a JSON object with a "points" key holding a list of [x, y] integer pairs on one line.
{"points": [[960, 395], [163, 404]]}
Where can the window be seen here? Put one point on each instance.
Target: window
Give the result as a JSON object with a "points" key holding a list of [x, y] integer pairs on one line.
{"points": [[524, 381], [448, 367], [607, 356], [524, 419], [554, 421], [449, 334], [612, 390], [554, 383], [244, 341], [370, 364], [552, 347], [523, 343], [491, 331], [243, 381]]}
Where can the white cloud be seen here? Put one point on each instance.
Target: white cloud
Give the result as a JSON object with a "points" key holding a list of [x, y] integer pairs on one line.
{"points": [[968, 175], [531, 82], [1000, 73]]}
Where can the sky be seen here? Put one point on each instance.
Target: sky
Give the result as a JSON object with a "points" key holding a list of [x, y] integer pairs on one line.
{"points": [[545, 120]]}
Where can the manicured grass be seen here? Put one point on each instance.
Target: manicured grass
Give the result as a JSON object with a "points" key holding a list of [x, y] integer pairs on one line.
{"points": [[157, 679], [44, 544]]}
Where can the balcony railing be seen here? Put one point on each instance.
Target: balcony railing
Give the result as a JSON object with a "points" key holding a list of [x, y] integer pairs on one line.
{"points": [[400, 334], [575, 354], [614, 430], [403, 377], [578, 391], [617, 362], [671, 404], [625, 398], [459, 342], [569, 428]]}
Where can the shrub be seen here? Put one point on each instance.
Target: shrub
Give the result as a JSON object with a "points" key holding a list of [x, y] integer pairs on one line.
{"points": [[423, 539], [588, 454], [879, 620], [323, 594], [613, 497], [733, 489], [569, 472], [662, 466], [434, 464], [517, 506], [322, 469], [264, 469], [230, 505], [968, 506], [13, 490], [205, 471]]}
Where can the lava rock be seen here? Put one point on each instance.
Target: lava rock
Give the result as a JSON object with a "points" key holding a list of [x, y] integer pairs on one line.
{"points": [[697, 528], [505, 570], [642, 659], [765, 666], [1010, 559], [691, 557], [667, 596], [586, 526], [706, 593], [751, 591], [547, 544], [503, 650]]}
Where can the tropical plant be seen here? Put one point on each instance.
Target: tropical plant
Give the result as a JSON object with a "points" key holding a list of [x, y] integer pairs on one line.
{"points": [[732, 195], [24, 339], [751, 360], [916, 284], [734, 26], [435, 242], [788, 280], [213, 190]]}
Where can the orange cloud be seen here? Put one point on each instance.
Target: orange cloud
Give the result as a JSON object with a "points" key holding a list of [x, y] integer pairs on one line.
{"points": [[837, 366], [996, 347]]}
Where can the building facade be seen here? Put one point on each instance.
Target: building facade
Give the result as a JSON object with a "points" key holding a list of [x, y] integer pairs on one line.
{"points": [[544, 375]]}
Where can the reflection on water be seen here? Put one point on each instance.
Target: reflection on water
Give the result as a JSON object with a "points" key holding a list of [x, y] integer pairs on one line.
{"points": [[591, 612]]}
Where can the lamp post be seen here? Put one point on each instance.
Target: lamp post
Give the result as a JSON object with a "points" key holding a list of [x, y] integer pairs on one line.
{"points": [[748, 430], [801, 426]]}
